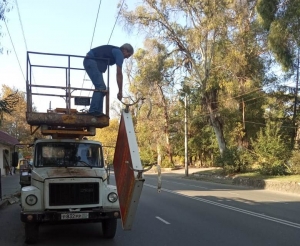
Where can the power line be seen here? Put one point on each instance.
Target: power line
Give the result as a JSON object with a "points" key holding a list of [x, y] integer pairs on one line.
{"points": [[92, 40], [23, 33], [116, 21], [262, 124], [95, 24], [14, 49], [21, 25]]}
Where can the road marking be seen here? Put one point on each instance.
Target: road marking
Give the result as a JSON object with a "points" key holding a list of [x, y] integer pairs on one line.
{"points": [[198, 186], [233, 193], [262, 216], [173, 182], [162, 220]]}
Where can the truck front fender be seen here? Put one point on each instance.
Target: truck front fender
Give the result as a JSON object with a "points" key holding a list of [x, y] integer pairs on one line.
{"points": [[106, 203], [31, 199]]}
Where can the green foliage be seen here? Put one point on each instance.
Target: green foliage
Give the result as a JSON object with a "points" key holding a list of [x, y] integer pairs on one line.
{"points": [[295, 162], [280, 45], [281, 19], [178, 160], [8, 104], [270, 151], [108, 137], [234, 160], [166, 164], [266, 10], [147, 156]]}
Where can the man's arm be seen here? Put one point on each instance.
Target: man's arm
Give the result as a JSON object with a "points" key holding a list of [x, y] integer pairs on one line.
{"points": [[120, 82]]}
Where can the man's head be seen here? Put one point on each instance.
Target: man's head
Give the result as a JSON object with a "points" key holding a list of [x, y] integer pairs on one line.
{"points": [[127, 50]]}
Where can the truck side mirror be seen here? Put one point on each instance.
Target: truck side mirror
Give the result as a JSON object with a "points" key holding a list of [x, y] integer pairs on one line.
{"points": [[15, 159]]}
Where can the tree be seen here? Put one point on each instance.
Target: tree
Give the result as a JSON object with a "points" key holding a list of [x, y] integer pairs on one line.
{"points": [[200, 34], [108, 137], [8, 104], [154, 78], [281, 20], [5, 6], [15, 123]]}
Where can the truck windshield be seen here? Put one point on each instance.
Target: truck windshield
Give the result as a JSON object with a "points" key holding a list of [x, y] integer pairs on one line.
{"points": [[62, 154]]}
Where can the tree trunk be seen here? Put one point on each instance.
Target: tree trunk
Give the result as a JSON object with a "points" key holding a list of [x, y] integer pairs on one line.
{"points": [[215, 120], [166, 124]]}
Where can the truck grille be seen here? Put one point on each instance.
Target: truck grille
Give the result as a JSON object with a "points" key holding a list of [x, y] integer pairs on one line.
{"points": [[61, 194]]}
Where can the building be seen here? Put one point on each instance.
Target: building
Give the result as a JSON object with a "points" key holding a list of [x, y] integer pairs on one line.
{"points": [[7, 147]]}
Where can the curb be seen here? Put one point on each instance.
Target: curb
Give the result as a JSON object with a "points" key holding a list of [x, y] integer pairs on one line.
{"points": [[280, 186]]}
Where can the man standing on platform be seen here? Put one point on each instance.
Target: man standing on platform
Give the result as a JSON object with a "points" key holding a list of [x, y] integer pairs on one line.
{"points": [[105, 55]]}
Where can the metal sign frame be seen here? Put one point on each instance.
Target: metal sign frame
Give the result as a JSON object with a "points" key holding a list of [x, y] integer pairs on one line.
{"points": [[128, 170]]}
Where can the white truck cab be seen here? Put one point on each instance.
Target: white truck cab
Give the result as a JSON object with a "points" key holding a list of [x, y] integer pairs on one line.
{"points": [[68, 183]]}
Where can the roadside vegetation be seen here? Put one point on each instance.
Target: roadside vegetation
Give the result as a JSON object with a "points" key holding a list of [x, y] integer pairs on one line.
{"points": [[231, 68]]}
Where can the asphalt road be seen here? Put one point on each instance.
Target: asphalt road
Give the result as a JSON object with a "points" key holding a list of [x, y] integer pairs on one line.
{"points": [[185, 212]]}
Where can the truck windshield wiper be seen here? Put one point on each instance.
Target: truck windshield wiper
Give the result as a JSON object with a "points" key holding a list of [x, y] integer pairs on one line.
{"points": [[86, 164]]}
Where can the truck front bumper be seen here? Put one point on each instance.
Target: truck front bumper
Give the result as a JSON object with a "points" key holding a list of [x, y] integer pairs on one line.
{"points": [[67, 216]]}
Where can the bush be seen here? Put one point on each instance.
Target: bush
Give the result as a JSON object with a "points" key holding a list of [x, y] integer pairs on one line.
{"points": [[234, 160], [270, 151], [178, 160], [295, 162], [166, 164]]}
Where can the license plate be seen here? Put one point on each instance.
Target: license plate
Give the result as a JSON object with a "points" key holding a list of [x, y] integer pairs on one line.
{"points": [[74, 216]]}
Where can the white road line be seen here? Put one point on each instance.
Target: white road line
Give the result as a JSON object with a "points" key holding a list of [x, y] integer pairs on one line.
{"points": [[197, 186], [162, 220], [262, 216], [173, 182], [233, 193]]}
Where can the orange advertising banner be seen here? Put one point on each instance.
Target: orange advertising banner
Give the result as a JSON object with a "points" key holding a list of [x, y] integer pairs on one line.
{"points": [[128, 171]]}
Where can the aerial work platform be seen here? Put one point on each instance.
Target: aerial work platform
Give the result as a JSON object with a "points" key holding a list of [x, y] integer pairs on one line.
{"points": [[61, 78]]}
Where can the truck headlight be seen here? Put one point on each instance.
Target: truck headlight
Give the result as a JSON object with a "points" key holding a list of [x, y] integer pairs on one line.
{"points": [[112, 197], [31, 200]]}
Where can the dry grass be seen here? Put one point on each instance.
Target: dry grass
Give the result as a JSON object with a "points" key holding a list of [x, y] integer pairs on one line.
{"points": [[254, 175]]}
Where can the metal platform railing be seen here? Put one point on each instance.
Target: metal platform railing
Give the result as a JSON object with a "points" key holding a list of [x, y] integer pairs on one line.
{"points": [[67, 88]]}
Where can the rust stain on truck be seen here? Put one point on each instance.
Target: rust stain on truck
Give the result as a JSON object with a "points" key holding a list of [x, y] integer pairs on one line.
{"points": [[71, 172]]}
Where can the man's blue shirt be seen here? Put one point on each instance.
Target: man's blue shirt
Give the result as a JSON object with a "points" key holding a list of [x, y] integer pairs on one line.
{"points": [[118, 55]]}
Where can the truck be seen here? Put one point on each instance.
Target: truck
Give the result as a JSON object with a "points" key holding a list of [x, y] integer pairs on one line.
{"points": [[69, 180]]}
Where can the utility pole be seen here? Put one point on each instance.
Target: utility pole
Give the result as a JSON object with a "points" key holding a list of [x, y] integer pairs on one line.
{"points": [[293, 139], [186, 137]]}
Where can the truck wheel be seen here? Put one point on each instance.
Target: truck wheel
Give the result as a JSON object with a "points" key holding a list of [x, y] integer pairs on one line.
{"points": [[109, 228], [31, 233]]}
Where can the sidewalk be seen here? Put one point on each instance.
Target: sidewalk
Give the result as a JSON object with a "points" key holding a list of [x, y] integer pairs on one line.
{"points": [[10, 187]]}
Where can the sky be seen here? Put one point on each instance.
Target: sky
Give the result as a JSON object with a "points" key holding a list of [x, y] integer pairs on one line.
{"points": [[59, 27]]}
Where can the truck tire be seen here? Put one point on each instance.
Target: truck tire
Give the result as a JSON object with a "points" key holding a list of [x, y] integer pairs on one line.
{"points": [[109, 228], [31, 233]]}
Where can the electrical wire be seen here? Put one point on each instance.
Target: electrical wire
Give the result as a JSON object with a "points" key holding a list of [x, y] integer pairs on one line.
{"points": [[14, 50], [95, 24], [21, 25], [262, 124], [92, 40], [23, 33], [115, 22]]}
